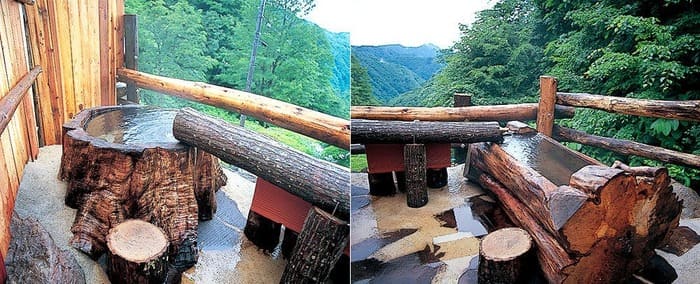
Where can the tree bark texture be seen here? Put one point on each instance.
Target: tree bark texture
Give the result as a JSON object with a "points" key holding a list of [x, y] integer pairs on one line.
{"points": [[318, 182], [109, 183], [681, 110], [608, 220], [415, 168], [627, 147], [33, 257], [521, 112], [329, 129], [137, 253], [390, 132], [548, 97], [502, 255], [320, 245]]}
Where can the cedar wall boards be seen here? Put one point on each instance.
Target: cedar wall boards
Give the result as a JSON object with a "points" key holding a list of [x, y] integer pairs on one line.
{"points": [[74, 42]]}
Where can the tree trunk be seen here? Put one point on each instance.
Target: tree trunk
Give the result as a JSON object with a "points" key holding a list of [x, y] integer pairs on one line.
{"points": [[137, 253], [389, 132], [521, 112], [415, 163], [682, 110], [262, 231], [318, 248], [318, 182], [329, 129], [111, 182], [436, 178], [502, 255], [627, 147], [608, 220], [381, 184]]}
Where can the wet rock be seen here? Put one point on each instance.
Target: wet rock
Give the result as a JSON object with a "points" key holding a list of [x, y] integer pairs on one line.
{"points": [[691, 201], [33, 256]]}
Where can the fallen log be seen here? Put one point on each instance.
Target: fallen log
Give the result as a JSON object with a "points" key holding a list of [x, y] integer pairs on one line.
{"points": [[318, 249], [552, 257], [415, 175], [627, 147], [473, 113], [608, 220], [329, 129], [502, 254], [137, 253], [388, 132], [318, 182], [682, 110]]}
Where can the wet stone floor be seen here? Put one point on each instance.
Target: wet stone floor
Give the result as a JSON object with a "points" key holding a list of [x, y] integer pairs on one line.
{"points": [[437, 243]]}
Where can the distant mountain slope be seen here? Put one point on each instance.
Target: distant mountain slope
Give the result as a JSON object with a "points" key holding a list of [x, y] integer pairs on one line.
{"points": [[396, 69], [340, 47]]}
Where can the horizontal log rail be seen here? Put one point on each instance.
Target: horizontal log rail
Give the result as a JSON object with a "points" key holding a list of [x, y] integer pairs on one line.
{"points": [[329, 129], [391, 132], [521, 112], [10, 102], [626, 147], [318, 182], [682, 110]]}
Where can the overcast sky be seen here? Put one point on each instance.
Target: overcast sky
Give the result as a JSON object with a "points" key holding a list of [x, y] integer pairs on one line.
{"points": [[408, 22]]}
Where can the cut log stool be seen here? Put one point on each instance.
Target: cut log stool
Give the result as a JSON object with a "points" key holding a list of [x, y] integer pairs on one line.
{"points": [[501, 255], [319, 247], [416, 188], [137, 253]]}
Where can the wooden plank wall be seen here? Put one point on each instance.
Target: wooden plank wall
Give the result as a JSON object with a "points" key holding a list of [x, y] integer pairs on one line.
{"points": [[79, 45], [19, 141]]}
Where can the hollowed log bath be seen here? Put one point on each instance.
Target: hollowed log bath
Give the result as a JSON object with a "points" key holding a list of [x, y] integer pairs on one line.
{"points": [[590, 223], [122, 162]]}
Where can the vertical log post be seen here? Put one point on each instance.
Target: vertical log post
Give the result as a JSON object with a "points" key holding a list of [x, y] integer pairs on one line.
{"points": [[461, 100], [548, 98], [415, 168], [318, 248], [131, 54], [381, 184], [262, 231], [501, 255], [137, 253]]}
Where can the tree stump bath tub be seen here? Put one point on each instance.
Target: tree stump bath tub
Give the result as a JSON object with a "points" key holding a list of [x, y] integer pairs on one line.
{"points": [[122, 162]]}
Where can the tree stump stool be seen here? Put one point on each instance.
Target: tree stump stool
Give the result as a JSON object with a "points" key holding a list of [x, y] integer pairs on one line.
{"points": [[123, 162], [501, 255], [137, 253]]}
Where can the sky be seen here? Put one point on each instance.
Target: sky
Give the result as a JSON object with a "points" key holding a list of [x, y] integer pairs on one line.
{"points": [[407, 22]]}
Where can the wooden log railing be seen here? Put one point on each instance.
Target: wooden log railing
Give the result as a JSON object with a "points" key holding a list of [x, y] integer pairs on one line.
{"points": [[681, 110], [318, 182], [10, 102], [626, 147], [473, 113], [383, 131], [329, 129]]}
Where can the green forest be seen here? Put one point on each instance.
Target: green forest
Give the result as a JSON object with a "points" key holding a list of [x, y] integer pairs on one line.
{"points": [[211, 41], [637, 49]]}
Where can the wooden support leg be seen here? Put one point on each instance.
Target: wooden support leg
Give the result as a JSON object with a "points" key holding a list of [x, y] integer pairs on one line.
{"points": [[501, 255], [263, 232], [437, 178], [415, 163], [400, 181], [381, 184], [137, 253], [290, 239], [318, 249]]}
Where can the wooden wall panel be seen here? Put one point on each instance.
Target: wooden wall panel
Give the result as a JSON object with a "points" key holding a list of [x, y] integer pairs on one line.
{"points": [[78, 44], [19, 140]]}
